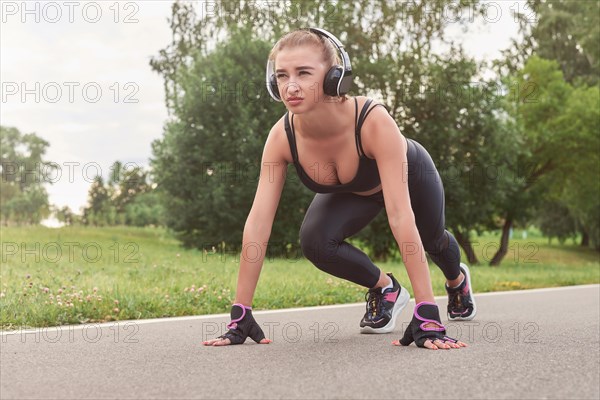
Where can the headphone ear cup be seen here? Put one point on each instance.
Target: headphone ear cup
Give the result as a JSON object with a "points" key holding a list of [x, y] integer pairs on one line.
{"points": [[332, 78], [274, 87]]}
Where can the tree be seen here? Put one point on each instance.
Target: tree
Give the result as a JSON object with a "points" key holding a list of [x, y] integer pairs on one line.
{"points": [[578, 187], [23, 199], [555, 220], [559, 159], [126, 183], [536, 94], [459, 121], [145, 209], [98, 203], [64, 215], [568, 33], [127, 198], [563, 30]]}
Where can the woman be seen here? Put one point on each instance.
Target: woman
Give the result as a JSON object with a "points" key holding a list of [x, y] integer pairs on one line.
{"points": [[357, 166]]}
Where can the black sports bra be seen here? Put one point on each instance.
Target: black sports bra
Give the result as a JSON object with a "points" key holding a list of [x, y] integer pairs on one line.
{"points": [[367, 176]]}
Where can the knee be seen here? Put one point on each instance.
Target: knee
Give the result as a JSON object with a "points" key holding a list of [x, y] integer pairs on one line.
{"points": [[438, 244], [444, 246], [317, 244]]}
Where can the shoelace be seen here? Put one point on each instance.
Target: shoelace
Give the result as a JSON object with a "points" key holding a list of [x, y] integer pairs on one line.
{"points": [[457, 301], [460, 300], [374, 302]]}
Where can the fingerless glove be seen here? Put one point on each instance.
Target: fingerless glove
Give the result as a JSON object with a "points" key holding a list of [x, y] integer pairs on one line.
{"points": [[242, 325], [416, 331]]}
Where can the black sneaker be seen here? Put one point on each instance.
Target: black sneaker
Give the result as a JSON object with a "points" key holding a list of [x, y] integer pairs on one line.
{"points": [[383, 308], [461, 304]]}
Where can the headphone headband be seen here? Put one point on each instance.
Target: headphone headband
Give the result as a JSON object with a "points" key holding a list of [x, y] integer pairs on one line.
{"points": [[341, 84], [345, 57]]}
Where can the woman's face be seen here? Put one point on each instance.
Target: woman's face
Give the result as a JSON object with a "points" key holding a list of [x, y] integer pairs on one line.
{"points": [[300, 72]]}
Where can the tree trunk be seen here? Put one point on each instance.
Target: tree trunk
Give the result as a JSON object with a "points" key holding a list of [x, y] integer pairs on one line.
{"points": [[585, 238], [465, 243], [503, 242]]}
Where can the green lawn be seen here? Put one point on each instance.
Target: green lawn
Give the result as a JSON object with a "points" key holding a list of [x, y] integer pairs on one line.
{"points": [[75, 275]]}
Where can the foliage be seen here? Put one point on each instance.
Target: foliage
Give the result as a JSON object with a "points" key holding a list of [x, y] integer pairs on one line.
{"points": [[126, 198], [566, 31], [23, 198], [559, 123]]}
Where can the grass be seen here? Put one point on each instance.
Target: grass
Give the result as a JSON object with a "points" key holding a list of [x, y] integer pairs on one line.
{"points": [[78, 274]]}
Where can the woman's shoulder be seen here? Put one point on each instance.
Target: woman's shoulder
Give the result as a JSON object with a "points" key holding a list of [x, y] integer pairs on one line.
{"points": [[362, 100], [278, 128], [277, 138]]}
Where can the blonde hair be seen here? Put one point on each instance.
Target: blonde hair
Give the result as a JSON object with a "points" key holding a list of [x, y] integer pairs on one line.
{"points": [[303, 37]]}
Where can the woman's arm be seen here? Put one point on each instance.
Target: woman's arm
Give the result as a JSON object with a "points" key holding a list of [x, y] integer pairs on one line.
{"points": [[257, 231], [387, 145], [260, 219]]}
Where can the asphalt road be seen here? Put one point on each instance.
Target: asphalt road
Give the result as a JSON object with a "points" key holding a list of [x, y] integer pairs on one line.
{"points": [[522, 344]]}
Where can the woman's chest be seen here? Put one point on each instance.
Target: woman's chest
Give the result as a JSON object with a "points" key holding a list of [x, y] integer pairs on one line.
{"points": [[330, 162]]}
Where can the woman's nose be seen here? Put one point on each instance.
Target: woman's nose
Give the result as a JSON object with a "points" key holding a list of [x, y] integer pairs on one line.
{"points": [[292, 88]]}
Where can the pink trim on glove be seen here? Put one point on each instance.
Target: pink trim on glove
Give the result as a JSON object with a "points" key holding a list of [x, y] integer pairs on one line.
{"points": [[233, 323], [440, 328]]}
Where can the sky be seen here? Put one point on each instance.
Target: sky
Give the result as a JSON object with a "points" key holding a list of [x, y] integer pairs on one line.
{"points": [[77, 74]]}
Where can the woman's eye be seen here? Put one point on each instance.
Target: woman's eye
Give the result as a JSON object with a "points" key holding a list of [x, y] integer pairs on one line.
{"points": [[304, 72], [280, 76]]}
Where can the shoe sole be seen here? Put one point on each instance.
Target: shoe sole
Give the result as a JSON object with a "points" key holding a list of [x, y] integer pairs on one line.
{"points": [[470, 317], [400, 304]]}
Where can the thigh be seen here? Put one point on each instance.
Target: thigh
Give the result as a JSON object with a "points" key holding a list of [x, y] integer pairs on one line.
{"points": [[340, 214], [426, 195]]}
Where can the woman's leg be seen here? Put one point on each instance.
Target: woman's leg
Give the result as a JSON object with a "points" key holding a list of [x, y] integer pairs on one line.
{"points": [[427, 199], [428, 205], [330, 219]]}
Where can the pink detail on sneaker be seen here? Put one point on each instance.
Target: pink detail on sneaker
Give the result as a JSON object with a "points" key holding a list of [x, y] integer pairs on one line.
{"points": [[391, 297], [466, 289]]}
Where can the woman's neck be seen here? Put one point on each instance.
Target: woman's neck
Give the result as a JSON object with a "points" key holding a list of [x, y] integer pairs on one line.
{"points": [[327, 121]]}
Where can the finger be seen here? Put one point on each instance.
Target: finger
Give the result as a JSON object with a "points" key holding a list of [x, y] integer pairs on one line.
{"points": [[265, 341], [223, 342], [407, 338], [256, 334], [453, 342], [456, 345], [441, 344], [396, 343], [210, 342], [430, 345]]}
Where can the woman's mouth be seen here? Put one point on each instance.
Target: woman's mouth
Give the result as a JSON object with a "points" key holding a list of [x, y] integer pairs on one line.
{"points": [[293, 101]]}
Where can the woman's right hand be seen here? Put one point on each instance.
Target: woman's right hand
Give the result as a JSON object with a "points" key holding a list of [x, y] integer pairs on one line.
{"points": [[242, 326], [426, 330]]}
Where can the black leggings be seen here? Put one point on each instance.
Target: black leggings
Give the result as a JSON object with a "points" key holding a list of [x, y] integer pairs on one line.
{"points": [[333, 217]]}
